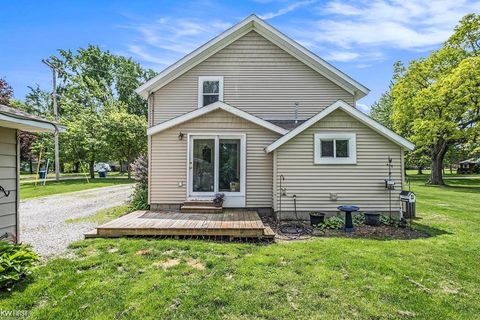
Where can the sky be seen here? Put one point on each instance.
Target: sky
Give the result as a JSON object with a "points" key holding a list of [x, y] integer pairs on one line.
{"points": [[361, 38]]}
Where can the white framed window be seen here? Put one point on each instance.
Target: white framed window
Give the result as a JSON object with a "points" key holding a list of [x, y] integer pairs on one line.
{"points": [[335, 148], [210, 90]]}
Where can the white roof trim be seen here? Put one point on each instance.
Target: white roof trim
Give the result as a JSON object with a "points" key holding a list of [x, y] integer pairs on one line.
{"points": [[360, 116], [219, 105], [29, 124], [253, 22]]}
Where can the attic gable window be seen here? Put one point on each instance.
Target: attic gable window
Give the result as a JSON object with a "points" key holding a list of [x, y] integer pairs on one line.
{"points": [[210, 90], [335, 148]]}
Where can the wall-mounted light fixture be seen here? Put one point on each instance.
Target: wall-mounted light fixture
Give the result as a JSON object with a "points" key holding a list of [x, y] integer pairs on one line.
{"points": [[180, 135]]}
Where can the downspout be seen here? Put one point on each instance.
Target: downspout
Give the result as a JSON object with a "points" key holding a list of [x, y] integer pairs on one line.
{"points": [[17, 192]]}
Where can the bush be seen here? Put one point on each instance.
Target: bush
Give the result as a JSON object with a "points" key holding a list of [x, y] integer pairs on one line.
{"points": [[332, 223], [358, 219], [139, 200], [16, 261]]}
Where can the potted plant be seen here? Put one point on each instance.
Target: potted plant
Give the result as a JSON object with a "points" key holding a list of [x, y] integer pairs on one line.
{"points": [[372, 218], [317, 218], [218, 200]]}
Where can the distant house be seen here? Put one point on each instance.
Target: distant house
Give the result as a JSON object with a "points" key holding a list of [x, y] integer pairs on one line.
{"points": [[12, 121], [254, 115], [471, 165]]}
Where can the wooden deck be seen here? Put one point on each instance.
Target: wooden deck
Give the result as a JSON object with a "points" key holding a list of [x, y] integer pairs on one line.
{"points": [[230, 223]]}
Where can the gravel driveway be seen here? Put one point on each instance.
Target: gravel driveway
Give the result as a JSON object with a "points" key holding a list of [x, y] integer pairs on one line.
{"points": [[42, 220]]}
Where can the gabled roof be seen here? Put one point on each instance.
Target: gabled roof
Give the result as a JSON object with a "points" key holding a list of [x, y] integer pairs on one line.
{"points": [[219, 105], [354, 113], [17, 119], [253, 22]]}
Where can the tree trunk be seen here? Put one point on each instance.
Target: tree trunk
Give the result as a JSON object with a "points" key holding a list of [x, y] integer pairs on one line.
{"points": [[420, 170], [30, 164], [437, 155], [92, 169], [129, 171], [77, 167]]}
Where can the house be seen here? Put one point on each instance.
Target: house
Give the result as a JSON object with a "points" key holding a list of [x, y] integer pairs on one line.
{"points": [[471, 165], [254, 115], [12, 121]]}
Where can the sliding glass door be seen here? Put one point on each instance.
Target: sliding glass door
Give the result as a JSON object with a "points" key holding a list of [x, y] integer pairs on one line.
{"points": [[217, 164]]}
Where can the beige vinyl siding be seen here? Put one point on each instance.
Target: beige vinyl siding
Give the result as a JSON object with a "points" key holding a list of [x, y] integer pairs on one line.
{"points": [[8, 180], [169, 158], [259, 78], [361, 184]]}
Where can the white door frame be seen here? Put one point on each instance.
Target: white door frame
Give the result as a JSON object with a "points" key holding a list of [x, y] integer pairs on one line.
{"points": [[232, 199]]}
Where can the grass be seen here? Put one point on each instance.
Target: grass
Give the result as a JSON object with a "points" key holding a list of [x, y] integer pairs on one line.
{"points": [[26, 176], [28, 190], [103, 216], [322, 278]]}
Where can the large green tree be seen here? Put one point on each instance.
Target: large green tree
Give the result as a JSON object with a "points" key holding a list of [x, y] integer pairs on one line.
{"points": [[126, 136], [436, 100], [92, 84]]}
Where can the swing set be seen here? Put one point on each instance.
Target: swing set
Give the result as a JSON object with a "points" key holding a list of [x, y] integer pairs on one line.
{"points": [[43, 179]]}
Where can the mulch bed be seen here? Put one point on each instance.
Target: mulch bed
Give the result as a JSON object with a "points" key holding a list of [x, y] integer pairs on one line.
{"points": [[382, 232], [370, 232]]}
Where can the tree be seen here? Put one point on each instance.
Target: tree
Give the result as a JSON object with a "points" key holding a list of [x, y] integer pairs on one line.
{"points": [[84, 140], [92, 78], [92, 84], [27, 140], [436, 100], [382, 110], [126, 136], [6, 92]]}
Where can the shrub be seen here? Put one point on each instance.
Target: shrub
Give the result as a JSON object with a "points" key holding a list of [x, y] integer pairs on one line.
{"points": [[332, 223], [358, 219], [139, 200], [16, 261]]}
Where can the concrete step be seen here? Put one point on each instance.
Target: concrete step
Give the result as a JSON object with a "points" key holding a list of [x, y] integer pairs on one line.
{"points": [[201, 209]]}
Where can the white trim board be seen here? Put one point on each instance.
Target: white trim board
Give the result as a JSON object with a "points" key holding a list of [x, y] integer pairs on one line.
{"points": [[219, 105], [358, 115], [253, 22], [29, 125]]}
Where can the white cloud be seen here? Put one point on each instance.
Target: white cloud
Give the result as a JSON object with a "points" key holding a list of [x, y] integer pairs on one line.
{"points": [[363, 107], [401, 24], [166, 39], [286, 10], [341, 56]]}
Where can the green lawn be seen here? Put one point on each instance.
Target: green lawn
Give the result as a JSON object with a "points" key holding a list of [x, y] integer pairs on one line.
{"points": [[103, 216], [321, 278], [29, 190], [25, 176]]}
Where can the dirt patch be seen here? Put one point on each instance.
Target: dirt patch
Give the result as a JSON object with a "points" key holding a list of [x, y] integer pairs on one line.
{"points": [[371, 232], [143, 252], [166, 264], [196, 264]]}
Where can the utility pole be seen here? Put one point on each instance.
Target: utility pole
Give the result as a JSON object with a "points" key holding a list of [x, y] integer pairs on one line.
{"points": [[55, 114]]}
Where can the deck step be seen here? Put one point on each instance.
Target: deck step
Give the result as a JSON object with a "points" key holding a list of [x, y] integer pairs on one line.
{"points": [[199, 203], [91, 234], [268, 233], [200, 209]]}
